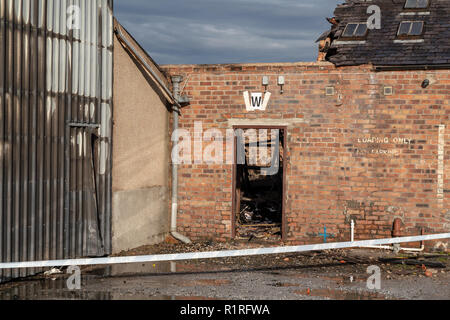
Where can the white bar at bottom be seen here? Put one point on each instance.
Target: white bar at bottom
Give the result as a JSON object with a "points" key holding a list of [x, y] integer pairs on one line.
{"points": [[218, 254]]}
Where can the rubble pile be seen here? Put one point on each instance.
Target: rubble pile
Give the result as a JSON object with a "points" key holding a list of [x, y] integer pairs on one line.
{"points": [[261, 209]]}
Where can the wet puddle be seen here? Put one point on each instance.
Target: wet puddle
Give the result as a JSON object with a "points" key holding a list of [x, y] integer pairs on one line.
{"points": [[340, 294], [47, 289], [55, 287], [337, 279], [146, 269], [205, 282]]}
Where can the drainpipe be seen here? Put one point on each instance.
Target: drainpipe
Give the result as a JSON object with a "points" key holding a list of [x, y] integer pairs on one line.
{"points": [[352, 226], [176, 80]]}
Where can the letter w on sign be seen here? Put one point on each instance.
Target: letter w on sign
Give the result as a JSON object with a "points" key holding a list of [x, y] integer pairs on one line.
{"points": [[255, 101]]}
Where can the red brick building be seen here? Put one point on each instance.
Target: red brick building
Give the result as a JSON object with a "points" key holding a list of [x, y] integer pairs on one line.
{"points": [[367, 141]]}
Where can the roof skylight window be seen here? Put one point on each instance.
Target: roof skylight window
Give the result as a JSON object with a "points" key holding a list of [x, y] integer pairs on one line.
{"points": [[355, 30], [410, 28], [417, 4]]}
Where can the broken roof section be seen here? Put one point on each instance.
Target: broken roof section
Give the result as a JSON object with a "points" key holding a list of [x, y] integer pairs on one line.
{"points": [[145, 61], [412, 33]]}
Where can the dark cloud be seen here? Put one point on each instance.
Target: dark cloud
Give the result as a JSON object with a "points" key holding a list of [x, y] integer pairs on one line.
{"points": [[226, 31]]}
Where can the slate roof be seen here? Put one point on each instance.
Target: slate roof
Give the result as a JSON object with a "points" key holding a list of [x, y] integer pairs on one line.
{"points": [[379, 47]]}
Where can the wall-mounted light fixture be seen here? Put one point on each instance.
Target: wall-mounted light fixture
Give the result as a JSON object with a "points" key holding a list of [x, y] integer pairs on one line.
{"points": [[425, 83], [281, 83], [265, 83]]}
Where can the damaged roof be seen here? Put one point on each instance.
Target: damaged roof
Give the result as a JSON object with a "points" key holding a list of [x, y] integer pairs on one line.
{"points": [[426, 44]]}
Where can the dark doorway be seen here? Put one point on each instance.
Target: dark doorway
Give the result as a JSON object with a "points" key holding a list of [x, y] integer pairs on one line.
{"points": [[259, 183]]}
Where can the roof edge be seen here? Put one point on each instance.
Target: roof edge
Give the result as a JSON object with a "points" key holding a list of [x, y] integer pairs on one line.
{"points": [[154, 70], [260, 64]]}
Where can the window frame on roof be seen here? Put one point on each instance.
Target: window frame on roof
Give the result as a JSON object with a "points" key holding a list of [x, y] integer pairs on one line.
{"points": [[416, 8], [409, 36], [363, 37]]}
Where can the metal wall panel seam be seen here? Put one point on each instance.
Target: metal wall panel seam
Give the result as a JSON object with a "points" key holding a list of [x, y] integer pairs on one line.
{"points": [[8, 134], [2, 128], [67, 145], [25, 134], [17, 140], [33, 130]]}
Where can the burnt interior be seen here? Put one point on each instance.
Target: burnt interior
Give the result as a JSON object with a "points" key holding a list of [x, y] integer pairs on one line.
{"points": [[259, 193]]}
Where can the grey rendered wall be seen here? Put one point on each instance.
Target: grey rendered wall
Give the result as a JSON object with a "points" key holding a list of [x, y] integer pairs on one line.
{"points": [[140, 157]]}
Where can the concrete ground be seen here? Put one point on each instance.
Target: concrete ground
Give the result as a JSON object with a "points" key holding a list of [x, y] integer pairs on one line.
{"points": [[336, 275]]}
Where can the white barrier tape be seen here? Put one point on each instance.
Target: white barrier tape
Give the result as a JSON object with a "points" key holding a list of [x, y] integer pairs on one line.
{"points": [[218, 254]]}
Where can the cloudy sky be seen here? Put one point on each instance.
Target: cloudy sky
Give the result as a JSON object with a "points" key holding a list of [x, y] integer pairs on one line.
{"points": [[226, 31]]}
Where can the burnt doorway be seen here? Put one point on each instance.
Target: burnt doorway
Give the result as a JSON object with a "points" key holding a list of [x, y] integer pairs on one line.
{"points": [[259, 183]]}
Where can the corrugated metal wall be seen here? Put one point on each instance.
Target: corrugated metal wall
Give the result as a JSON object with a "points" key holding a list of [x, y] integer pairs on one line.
{"points": [[55, 130]]}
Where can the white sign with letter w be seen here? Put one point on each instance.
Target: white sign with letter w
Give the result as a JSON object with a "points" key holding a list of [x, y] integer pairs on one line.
{"points": [[255, 101]]}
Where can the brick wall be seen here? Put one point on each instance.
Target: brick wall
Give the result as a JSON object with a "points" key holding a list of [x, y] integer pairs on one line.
{"points": [[357, 154]]}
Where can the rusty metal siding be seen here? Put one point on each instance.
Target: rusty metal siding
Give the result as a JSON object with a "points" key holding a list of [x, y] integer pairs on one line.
{"points": [[55, 131]]}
